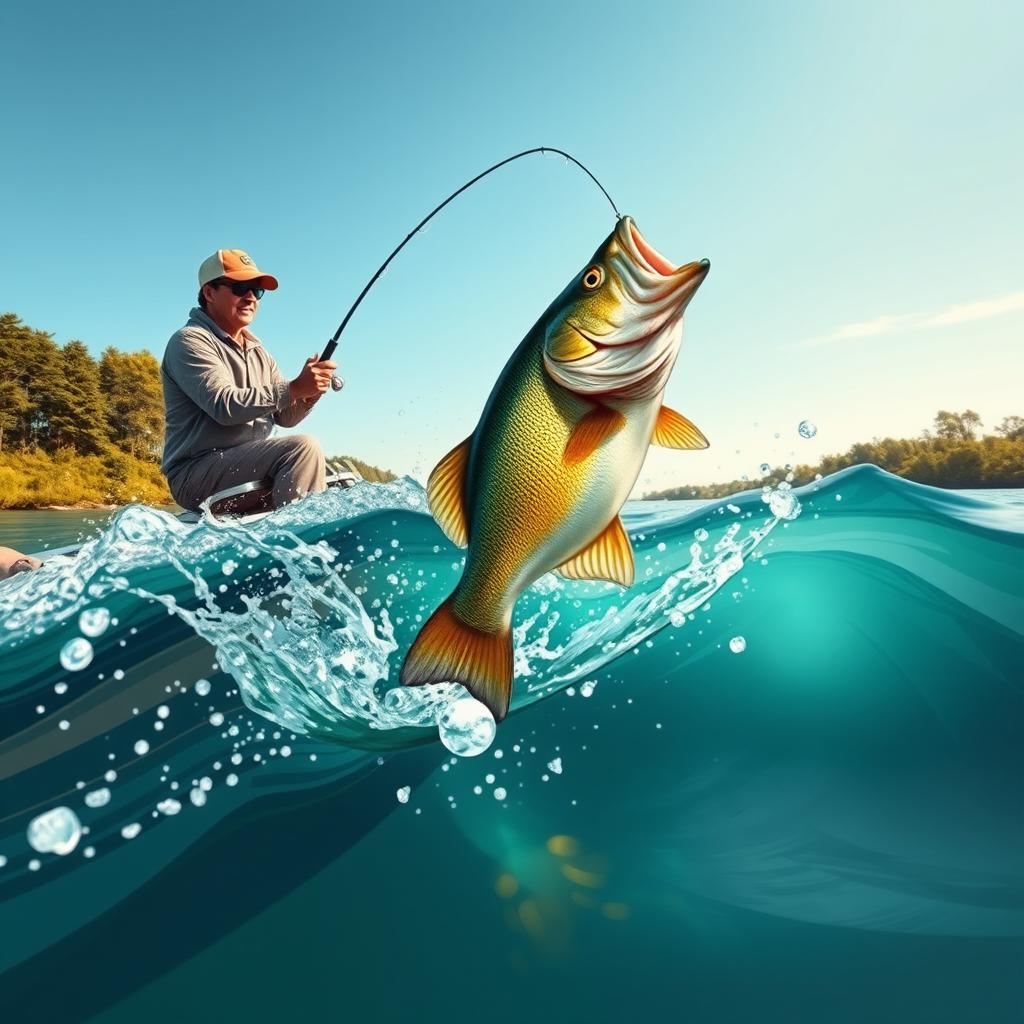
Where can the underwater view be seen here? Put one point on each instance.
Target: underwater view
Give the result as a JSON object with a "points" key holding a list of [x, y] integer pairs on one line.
{"points": [[779, 776]]}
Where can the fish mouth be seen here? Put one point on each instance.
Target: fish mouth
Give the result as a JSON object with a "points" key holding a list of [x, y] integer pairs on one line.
{"points": [[658, 269]]}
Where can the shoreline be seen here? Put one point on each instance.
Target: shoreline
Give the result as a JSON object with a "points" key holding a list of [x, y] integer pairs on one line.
{"points": [[88, 506]]}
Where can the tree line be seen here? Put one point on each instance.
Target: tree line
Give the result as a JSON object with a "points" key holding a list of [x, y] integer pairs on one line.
{"points": [[54, 397], [950, 454], [77, 430]]}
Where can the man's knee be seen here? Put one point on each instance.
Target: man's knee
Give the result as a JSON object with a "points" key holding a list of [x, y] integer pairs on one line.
{"points": [[305, 448], [306, 472]]}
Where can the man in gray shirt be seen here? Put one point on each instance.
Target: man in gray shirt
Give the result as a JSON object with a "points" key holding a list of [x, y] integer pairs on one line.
{"points": [[223, 395]]}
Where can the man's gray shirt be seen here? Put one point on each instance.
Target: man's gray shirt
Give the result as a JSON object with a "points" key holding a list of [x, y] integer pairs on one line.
{"points": [[218, 394]]}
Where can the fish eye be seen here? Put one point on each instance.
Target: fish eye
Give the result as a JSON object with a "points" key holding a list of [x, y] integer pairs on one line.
{"points": [[592, 278]]}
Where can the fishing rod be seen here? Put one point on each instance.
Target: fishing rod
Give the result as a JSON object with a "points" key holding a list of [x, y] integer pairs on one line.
{"points": [[336, 382]]}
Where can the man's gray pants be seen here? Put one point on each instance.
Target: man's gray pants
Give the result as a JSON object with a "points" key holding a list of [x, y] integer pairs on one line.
{"points": [[296, 465]]}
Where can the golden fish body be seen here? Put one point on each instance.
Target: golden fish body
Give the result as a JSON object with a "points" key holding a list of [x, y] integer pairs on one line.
{"points": [[532, 511], [539, 484]]}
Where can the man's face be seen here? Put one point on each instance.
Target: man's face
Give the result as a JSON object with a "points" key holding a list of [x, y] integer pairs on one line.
{"points": [[230, 311]]}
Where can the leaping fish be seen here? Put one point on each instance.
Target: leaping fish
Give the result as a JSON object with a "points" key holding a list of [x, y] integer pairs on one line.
{"points": [[539, 484]]}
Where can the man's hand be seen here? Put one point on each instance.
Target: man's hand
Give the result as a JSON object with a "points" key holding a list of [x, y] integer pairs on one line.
{"points": [[314, 379]]}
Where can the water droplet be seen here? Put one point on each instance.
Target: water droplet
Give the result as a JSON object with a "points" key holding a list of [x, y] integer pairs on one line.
{"points": [[765, 469], [76, 654], [555, 766], [232, 779], [700, 534], [403, 794], [216, 719], [197, 796], [170, 806], [141, 747], [466, 727], [202, 687], [98, 798], [499, 793], [229, 567], [783, 502], [587, 689], [131, 831], [56, 831], [60, 688], [737, 645], [807, 428], [94, 621]]}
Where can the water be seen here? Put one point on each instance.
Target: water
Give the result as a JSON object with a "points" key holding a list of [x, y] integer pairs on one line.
{"points": [[662, 826]]}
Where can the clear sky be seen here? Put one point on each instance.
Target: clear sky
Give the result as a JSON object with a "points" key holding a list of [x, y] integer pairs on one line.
{"points": [[853, 172]]}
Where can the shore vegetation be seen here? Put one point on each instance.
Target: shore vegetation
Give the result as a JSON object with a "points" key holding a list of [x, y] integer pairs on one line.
{"points": [[950, 454]]}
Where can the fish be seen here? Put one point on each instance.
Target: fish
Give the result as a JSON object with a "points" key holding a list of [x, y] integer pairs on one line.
{"points": [[539, 484]]}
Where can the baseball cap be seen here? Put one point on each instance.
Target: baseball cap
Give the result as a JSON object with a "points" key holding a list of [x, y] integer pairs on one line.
{"points": [[235, 265]]}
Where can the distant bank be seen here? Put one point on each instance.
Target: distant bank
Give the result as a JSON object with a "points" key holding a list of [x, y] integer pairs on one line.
{"points": [[949, 455]]}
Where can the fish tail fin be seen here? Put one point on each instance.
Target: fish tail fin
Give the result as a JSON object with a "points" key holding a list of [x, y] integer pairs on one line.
{"points": [[448, 649]]}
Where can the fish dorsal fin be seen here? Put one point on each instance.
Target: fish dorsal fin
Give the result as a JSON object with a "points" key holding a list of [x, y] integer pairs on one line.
{"points": [[608, 557], [673, 430], [587, 435], [446, 494]]}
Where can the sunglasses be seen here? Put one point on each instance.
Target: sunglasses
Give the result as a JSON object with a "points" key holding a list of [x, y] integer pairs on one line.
{"points": [[240, 288]]}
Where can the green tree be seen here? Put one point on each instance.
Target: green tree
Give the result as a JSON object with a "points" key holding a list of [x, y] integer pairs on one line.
{"points": [[1012, 428], [73, 405], [134, 404], [29, 360], [957, 426], [962, 466]]}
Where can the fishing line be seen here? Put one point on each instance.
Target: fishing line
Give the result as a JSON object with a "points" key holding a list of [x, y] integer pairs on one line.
{"points": [[333, 343]]}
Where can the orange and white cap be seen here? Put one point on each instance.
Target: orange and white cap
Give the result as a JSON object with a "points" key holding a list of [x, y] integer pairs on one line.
{"points": [[235, 265]]}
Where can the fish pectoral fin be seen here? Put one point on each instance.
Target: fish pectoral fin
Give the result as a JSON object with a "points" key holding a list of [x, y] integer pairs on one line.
{"points": [[608, 557], [448, 649], [590, 432], [673, 430], [446, 494]]}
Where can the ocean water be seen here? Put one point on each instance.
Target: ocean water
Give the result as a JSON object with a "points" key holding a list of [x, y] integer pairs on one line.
{"points": [[779, 777]]}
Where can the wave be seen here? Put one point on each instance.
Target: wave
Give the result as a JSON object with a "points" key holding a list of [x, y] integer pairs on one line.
{"points": [[840, 696]]}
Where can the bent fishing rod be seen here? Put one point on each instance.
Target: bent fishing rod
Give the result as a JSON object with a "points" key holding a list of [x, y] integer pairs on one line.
{"points": [[336, 382]]}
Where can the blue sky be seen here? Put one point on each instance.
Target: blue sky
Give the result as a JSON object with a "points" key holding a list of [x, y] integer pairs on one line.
{"points": [[853, 173]]}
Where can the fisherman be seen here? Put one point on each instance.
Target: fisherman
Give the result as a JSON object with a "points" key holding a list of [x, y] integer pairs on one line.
{"points": [[223, 395]]}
